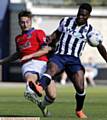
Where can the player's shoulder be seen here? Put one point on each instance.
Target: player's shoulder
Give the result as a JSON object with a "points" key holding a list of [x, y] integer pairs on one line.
{"points": [[92, 29], [39, 31], [67, 19], [90, 26]]}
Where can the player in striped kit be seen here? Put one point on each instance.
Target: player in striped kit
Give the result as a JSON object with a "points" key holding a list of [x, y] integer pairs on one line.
{"points": [[72, 35]]}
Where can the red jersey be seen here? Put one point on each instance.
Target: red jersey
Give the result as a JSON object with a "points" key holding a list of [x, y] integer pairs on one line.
{"points": [[30, 42]]}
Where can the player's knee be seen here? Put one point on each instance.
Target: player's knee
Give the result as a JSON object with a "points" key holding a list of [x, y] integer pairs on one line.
{"points": [[52, 95], [80, 90], [31, 77], [29, 80]]}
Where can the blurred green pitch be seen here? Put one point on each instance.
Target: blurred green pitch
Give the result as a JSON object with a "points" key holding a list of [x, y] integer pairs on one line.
{"points": [[13, 103]]}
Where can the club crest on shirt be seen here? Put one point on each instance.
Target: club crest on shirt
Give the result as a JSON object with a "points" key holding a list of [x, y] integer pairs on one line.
{"points": [[78, 35], [25, 45], [19, 39], [29, 36]]}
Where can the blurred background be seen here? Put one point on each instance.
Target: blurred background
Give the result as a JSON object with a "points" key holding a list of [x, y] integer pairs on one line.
{"points": [[46, 16]]}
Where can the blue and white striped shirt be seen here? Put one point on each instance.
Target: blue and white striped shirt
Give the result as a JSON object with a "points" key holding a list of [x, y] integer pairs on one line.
{"points": [[73, 37]]}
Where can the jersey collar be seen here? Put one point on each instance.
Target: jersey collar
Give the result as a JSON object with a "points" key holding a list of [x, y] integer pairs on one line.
{"points": [[28, 31]]}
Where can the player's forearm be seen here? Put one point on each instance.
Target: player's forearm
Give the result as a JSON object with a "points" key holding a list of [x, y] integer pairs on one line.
{"points": [[102, 51], [8, 59], [39, 53], [43, 51]]}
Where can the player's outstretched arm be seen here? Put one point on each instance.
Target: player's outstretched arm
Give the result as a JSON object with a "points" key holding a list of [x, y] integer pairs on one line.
{"points": [[41, 52], [102, 51], [10, 58]]}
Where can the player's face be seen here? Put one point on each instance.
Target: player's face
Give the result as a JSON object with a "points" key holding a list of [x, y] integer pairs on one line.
{"points": [[82, 16], [25, 23]]}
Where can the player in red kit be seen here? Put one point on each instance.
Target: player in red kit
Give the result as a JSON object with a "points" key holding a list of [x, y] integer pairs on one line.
{"points": [[31, 49], [29, 42]]}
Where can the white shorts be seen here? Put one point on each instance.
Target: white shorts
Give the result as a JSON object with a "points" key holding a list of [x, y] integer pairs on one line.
{"points": [[34, 66]]}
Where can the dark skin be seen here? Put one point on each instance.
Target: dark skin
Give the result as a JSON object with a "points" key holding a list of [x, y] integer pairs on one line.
{"points": [[78, 77], [102, 51], [82, 17], [53, 69]]}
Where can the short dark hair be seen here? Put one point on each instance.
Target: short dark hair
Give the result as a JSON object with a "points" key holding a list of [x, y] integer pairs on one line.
{"points": [[86, 6], [24, 14]]}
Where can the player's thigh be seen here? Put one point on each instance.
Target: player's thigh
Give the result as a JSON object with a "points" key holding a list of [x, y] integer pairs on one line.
{"points": [[53, 68], [55, 65], [51, 89], [34, 67]]}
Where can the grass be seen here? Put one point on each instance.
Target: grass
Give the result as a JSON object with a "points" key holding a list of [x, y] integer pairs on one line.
{"points": [[13, 104]]}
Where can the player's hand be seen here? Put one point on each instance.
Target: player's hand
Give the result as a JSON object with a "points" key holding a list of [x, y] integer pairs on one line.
{"points": [[48, 40], [47, 48], [27, 57]]}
